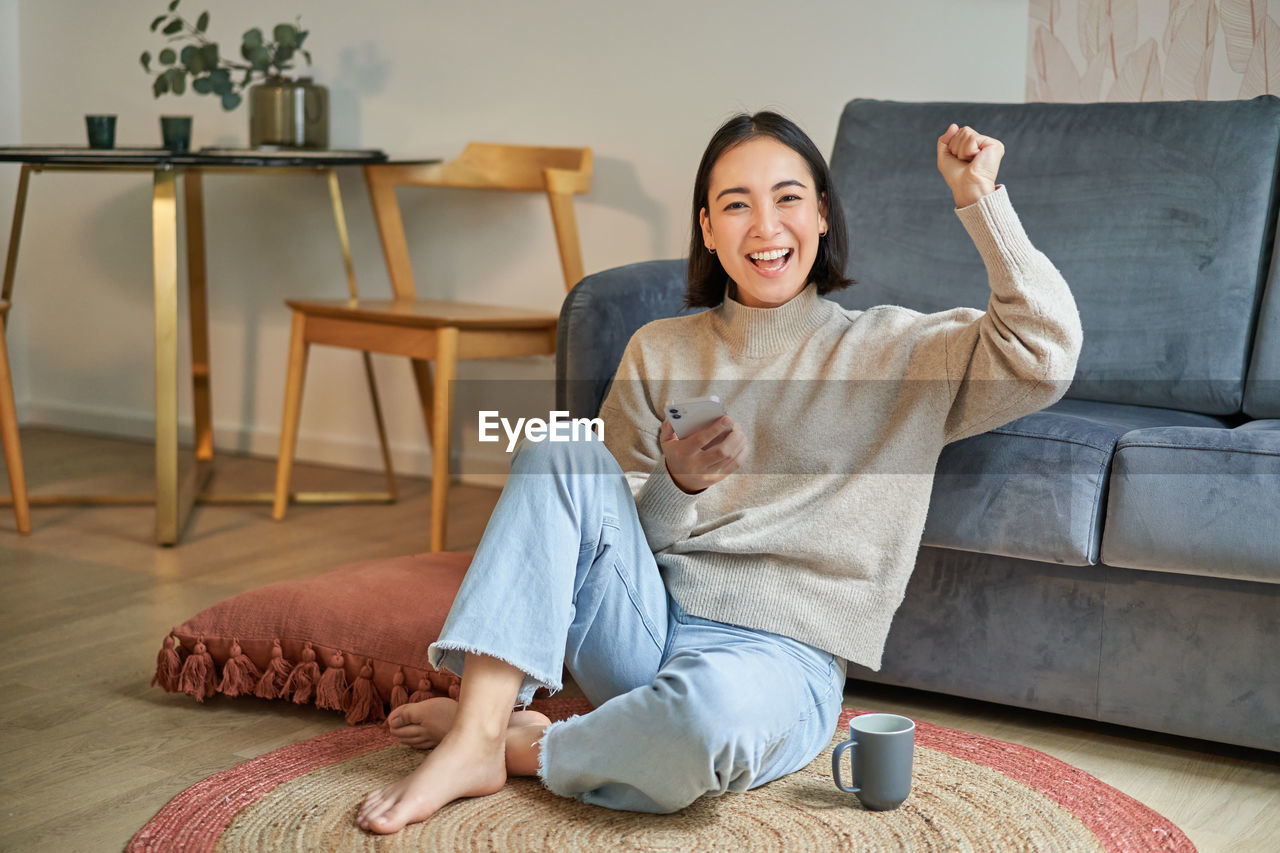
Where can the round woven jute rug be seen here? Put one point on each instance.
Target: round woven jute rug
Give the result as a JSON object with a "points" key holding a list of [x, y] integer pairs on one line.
{"points": [[969, 793]]}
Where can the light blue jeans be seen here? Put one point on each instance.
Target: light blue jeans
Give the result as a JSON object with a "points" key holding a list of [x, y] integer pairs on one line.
{"points": [[684, 707]]}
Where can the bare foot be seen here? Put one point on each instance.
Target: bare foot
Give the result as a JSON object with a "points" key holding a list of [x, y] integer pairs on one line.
{"points": [[422, 725], [463, 765], [523, 749]]}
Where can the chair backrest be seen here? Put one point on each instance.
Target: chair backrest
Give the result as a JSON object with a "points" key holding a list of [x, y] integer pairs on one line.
{"points": [[558, 172]]}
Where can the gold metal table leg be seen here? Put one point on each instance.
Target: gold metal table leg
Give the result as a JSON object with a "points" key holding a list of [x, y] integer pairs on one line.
{"points": [[174, 497], [340, 220], [15, 233], [198, 307], [179, 486]]}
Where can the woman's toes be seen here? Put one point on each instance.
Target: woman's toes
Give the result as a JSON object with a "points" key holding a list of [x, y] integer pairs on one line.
{"points": [[387, 823], [377, 812], [405, 715], [417, 734]]}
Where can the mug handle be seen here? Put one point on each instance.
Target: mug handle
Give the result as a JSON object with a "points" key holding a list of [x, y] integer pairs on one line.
{"points": [[835, 765]]}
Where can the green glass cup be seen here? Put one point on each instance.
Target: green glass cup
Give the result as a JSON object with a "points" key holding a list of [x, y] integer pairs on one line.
{"points": [[102, 131], [176, 133]]}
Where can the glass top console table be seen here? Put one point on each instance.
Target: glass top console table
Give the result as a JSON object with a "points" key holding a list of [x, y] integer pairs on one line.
{"points": [[179, 483]]}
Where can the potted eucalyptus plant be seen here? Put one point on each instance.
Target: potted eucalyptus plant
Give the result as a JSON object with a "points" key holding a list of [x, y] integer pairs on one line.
{"points": [[283, 110]]}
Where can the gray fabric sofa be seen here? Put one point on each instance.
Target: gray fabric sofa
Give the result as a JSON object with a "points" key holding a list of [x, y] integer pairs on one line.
{"points": [[1117, 555]]}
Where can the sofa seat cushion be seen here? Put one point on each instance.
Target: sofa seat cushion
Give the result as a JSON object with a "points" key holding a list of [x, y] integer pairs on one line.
{"points": [[1036, 487], [1198, 501]]}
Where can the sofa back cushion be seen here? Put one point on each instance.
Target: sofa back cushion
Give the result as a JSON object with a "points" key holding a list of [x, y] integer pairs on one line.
{"points": [[1262, 387], [1159, 216]]}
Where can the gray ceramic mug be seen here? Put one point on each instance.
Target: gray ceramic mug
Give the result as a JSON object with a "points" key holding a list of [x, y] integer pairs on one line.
{"points": [[882, 747]]}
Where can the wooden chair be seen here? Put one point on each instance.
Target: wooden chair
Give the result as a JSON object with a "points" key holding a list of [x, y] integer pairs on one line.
{"points": [[435, 330], [9, 434]]}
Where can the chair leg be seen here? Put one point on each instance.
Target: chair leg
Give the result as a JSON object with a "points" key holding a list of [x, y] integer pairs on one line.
{"points": [[292, 412], [422, 376], [381, 424], [9, 438], [446, 372]]}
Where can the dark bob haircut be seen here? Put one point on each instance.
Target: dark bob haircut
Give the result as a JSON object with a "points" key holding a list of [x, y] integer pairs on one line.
{"points": [[707, 278]]}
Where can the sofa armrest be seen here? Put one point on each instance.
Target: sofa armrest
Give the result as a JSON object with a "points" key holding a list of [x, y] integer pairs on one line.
{"points": [[597, 319]]}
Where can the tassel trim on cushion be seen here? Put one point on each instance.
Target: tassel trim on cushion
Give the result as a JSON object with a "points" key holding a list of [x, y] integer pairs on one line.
{"points": [[168, 666], [365, 703], [199, 677], [276, 675], [334, 692], [399, 695], [423, 693], [239, 674], [302, 681], [187, 666]]}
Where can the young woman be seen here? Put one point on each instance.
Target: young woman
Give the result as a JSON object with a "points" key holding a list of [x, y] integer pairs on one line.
{"points": [[706, 591]]}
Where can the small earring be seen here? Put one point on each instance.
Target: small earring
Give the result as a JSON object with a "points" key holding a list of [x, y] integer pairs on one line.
{"points": [[711, 250], [822, 233]]}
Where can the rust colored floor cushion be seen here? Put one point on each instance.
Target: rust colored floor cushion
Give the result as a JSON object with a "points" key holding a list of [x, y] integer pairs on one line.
{"points": [[354, 639]]}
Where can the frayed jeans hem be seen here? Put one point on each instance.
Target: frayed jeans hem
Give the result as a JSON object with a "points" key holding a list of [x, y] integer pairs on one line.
{"points": [[451, 656], [544, 765], [542, 759]]}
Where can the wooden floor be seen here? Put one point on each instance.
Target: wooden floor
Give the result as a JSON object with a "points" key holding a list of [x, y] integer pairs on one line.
{"points": [[90, 751]]}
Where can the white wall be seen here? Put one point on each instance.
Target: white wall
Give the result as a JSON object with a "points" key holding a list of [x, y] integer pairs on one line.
{"points": [[644, 84]]}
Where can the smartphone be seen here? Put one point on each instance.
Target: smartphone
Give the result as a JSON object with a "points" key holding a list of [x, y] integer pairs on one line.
{"points": [[689, 416]]}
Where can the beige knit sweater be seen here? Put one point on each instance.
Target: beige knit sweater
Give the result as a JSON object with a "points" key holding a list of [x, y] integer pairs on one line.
{"points": [[845, 412]]}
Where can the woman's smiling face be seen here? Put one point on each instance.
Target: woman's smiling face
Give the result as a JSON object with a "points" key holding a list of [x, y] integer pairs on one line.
{"points": [[763, 218]]}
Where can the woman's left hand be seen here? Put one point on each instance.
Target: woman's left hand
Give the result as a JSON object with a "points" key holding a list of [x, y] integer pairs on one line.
{"points": [[969, 162]]}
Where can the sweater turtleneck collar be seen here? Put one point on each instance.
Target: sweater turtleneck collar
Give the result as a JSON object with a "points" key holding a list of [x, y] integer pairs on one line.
{"points": [[758, 332]]}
